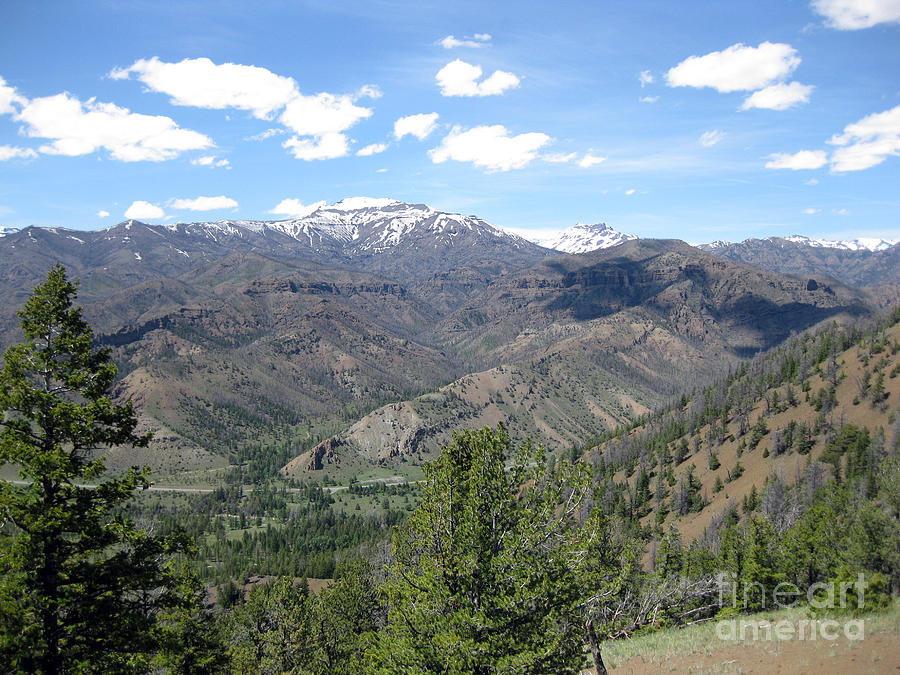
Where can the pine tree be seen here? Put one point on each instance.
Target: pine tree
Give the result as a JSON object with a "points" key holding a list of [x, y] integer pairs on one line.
{"points": [[270, 633], [344, 619], [485, 577], [79, 583]]}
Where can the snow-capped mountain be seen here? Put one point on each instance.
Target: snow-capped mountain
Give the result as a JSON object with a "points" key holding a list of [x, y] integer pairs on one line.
{"points": [[360, 225], [375, 235], [581, 238], [7, 230], [860, 244], [872, 244], [857, 262], [363, 225]]}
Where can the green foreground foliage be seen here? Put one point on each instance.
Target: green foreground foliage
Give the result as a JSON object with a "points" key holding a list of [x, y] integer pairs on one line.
{"points": [[80, 586]]}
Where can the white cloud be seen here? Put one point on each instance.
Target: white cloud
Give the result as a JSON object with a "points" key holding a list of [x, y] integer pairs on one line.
{"points": [[420, 125], [710, 138], [811, 211], [649, 99], [842, 212], [102, 214], [318, 121], [459, 78], [812, 181], [857, 14], [380, 170], [77, 128], [779, 96], [294, 208], [369, 91], [203, 84], [8, 96], [590, 160], [737, 68], [490, 147], [476, 41], [868, 142], [141, 210], [805, 159], [326, 146], [268, 133], [13, 152], [210, 161], [373, 149], [862, 145], [324, 117], [559, 158], [205, 203], [630, 191], [322, 114], [645, 78]]}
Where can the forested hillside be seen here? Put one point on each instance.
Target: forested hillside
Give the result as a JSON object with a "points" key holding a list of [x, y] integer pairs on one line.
{"points": [[795, 412]]}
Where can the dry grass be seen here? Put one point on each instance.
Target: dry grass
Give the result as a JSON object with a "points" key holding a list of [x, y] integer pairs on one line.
{"points": [[699, 649]]}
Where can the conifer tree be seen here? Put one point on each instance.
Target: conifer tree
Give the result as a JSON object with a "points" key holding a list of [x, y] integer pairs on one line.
{"points": [[485, 577], [79, 583]]}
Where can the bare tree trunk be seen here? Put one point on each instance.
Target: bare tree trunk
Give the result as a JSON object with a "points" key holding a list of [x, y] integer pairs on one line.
{"points": [[599, 667]]}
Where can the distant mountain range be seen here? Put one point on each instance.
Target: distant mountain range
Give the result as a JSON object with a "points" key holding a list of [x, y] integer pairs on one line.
{"points": [[871, 244], [860, 262], [865, 261], [235, 335], [357, 226]]}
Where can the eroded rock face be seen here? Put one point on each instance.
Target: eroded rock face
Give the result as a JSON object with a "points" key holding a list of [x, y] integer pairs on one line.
{"points": [[324, 454]]}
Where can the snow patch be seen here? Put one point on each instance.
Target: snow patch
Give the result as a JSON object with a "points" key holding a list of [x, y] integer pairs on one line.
{"points": [[354, 203]]}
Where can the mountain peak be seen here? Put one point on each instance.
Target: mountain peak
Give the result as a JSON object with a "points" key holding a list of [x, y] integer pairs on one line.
{"points": [[583, 237]]}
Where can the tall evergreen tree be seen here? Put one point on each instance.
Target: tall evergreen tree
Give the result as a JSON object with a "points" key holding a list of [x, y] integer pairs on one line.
{"points": [[79, 583]]}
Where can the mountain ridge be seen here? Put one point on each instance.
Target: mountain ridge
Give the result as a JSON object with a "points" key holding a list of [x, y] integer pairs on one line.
{"points": [[871, 244], [585, 342], [232, 333], [854, 266]]}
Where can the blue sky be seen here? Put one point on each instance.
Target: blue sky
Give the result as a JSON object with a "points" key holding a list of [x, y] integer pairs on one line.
{"points": [[696, 120]]}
